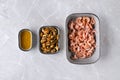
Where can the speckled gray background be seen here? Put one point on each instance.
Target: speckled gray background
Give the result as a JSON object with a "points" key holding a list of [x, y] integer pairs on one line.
{"points": [[32, 65]]}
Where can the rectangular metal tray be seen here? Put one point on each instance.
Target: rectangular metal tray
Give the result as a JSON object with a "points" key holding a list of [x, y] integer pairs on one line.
{"points": [[96, 54], [58, 40]]}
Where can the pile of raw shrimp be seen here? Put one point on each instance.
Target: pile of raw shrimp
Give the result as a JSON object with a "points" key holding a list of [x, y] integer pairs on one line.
{"points": [[82, 41]]}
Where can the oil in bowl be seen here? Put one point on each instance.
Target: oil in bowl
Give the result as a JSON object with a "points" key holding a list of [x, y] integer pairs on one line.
{"points": [[25, 39]]}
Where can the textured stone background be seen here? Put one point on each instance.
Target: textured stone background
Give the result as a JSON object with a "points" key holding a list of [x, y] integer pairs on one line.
{"points": [[32, 65]]}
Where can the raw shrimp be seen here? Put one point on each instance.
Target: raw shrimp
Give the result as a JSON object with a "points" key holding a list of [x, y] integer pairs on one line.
{"points": [[82, 37], [87, 19], [71, 25], [78, 21], [92, 21]]}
